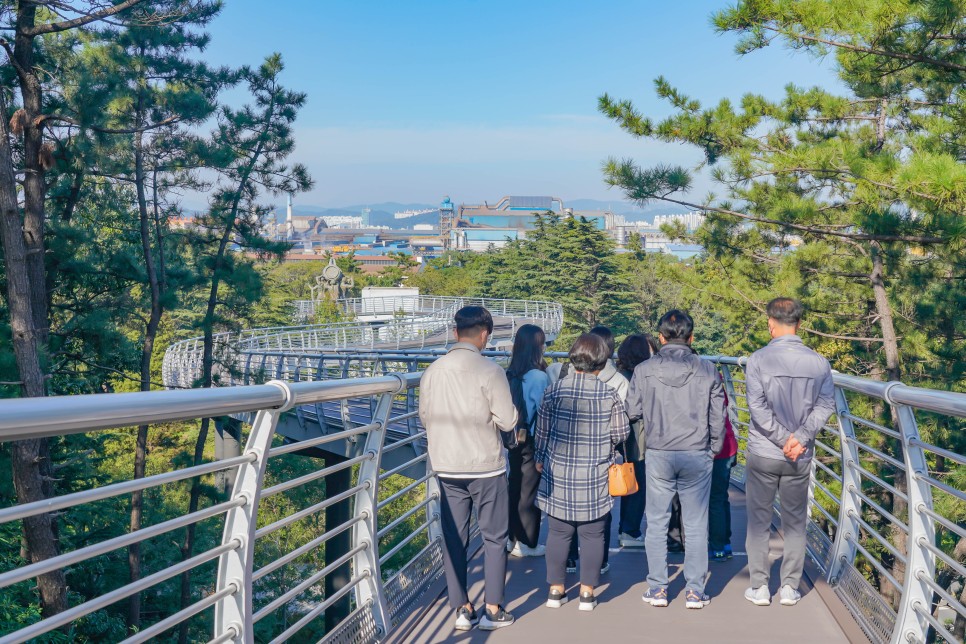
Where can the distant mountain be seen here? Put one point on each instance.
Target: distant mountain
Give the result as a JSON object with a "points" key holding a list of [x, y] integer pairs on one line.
{"points": [[631, 211]]}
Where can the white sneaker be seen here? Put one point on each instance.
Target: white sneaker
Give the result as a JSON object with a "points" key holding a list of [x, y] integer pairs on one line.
{"points": [[789, 596], [758, 596], [627, 541], [523, 550]]}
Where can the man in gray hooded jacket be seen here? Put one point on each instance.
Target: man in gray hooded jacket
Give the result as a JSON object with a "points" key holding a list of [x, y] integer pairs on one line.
{"points": [[681, 401]]}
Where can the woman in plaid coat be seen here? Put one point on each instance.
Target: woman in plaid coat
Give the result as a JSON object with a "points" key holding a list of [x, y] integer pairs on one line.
{"points": [[579, 423]]}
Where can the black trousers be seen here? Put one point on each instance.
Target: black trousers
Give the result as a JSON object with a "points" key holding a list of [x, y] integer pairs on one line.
{"points": [[459, 496], [593, 545], [574, 553], [523, 483], [632, 505]]}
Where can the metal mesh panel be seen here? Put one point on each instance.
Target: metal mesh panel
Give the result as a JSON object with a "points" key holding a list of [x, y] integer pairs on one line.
{"points": [[819, 545], [411, 582], [738, 476], [359, 627], [874, 616]]}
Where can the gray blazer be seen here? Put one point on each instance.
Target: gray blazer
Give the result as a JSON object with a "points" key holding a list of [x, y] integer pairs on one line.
{"points": [[790, 391]]}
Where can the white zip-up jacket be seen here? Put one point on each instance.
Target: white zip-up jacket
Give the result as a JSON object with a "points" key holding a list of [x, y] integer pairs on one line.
{"points": [[464, 404]]}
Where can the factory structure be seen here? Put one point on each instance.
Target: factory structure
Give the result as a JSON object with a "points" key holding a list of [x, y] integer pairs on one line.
{"points": [[466, 227]]}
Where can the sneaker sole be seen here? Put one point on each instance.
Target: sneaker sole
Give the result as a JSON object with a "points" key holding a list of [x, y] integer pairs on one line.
{"points": [[789, 602], [657, 603], [556, 603], [464, 627], [588, 606], [493, 626], [696, 605], [759, 602]]}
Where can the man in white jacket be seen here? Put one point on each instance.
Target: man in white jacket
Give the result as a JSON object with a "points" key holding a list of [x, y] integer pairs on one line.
{"points": [[468, 412]]}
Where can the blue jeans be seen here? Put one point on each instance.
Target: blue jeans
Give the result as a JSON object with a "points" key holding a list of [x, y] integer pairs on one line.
{"points": [[689, 474]]}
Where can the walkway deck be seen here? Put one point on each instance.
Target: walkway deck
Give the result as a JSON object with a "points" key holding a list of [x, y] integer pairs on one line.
{"points": [[621, 615]]}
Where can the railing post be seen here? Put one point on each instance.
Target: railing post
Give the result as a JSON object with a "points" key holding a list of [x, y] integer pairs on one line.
{"points": [[366, 532], [233, 614], [916, 594], [850, 506]]}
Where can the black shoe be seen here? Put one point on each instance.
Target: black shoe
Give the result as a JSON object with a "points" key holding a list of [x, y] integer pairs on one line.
{"points": [[571, 565], [587, 601], [556, 599], [466, 619], [675, 547], [493, 621]]}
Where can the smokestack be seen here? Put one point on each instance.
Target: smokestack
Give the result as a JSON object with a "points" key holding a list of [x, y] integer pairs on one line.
{"points": [[288, 211]]}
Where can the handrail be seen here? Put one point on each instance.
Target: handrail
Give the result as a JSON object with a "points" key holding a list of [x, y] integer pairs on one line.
{"points": [[859, 523], [425, 322]]}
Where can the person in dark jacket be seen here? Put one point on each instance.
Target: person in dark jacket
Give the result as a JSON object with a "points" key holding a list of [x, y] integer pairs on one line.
{"points": [[579, 424], [681, 401], [634, 350]]}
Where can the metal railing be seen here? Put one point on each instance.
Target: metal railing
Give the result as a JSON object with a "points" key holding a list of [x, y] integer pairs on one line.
{"points": [[427, 324], [395, 542], [883, 502]]}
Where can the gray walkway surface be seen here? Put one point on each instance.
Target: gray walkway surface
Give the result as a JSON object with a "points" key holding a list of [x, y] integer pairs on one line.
{"points": [[621, 616]]}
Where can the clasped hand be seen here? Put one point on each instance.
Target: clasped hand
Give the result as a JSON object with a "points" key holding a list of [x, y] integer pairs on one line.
{"points": [[793, 449]]}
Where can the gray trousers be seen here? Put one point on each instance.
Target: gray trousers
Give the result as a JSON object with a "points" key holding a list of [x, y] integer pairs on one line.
{"points": [[688, 473], [765, 477], [490, 497]]}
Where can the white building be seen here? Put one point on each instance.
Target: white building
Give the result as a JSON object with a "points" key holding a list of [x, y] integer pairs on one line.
{"points": [[691, 220]]}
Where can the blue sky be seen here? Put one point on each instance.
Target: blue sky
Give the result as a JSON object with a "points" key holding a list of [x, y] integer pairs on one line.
{"points": [[409, 101]]}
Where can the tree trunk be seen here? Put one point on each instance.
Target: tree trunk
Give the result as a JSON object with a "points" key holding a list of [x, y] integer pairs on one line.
{"points": [[28, 464], [207, 380], [34, 188], [883, 308], [147, 351]]}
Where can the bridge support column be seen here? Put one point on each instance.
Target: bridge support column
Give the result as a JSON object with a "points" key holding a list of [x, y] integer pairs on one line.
{"points": [[227, 445], [850, 505], [911, 624], [336, 547]]}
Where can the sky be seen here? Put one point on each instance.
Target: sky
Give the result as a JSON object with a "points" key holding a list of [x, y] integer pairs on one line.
{"points": [[411, 101]]}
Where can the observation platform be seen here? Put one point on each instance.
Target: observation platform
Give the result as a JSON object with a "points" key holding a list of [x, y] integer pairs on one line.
{"points": [[621, 615], [349, 549]]}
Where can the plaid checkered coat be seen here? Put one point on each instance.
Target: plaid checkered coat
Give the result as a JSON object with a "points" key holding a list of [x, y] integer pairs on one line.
{"points": [[578, 425]]}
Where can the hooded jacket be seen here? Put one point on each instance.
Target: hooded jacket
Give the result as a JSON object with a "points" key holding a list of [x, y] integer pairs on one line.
{"points": [[680, 400]]}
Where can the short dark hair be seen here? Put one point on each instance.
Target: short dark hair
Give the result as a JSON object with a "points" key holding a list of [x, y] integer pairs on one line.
{"points": [[785, 310], [589, 353], [470, 319], [606, 334], [634, 350], [676, 325]]}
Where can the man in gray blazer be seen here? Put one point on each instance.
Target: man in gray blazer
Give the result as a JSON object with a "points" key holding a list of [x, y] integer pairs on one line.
{"points": [[790, 398]]}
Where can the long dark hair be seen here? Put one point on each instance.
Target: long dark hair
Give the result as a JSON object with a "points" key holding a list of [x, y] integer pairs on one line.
{"points": [[528, 347], [634, 350]]}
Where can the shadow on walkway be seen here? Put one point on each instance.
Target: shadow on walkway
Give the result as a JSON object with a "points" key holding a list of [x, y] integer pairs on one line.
{"points": [[622, 616]]}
